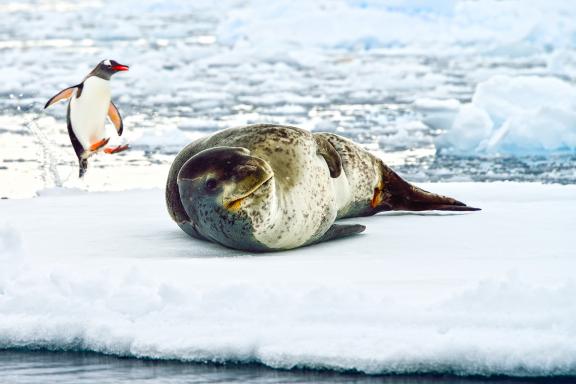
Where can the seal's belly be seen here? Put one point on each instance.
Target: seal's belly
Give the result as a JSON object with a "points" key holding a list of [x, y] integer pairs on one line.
{"points": [[305, 203], [88, 112]]}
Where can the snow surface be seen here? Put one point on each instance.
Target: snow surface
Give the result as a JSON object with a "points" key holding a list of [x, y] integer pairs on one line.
{"points": [[490, 292]]}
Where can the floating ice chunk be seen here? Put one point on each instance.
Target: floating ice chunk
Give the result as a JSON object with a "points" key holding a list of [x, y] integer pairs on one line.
{"points": [[546, 130], [437, 114], [513, 116], [505, 96], [436, 105], [471, 129]]}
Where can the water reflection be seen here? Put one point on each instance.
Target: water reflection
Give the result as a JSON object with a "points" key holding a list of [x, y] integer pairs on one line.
{"points": [[31, 367]]}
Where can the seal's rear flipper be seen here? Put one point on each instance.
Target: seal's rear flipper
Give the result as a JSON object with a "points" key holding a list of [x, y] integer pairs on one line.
{"points": [[337, 231], [399, 195]]}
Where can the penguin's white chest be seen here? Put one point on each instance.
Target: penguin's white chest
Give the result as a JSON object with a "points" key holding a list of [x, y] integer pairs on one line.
{"points": [[88, 112]]}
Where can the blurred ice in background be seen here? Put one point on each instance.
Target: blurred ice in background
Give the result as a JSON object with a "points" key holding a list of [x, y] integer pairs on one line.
{"points": [[442, 90]]}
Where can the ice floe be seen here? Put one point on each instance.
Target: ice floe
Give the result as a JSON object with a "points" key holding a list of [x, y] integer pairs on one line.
{"points": [[484, 293], [508, 115]]}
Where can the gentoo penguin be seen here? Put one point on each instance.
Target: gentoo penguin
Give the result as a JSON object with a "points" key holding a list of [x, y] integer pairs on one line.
{"points": [[89, 104], [274, 187]]}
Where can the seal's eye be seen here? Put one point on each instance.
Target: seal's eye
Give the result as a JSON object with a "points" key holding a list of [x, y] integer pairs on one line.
{"points": [[211, 185]]}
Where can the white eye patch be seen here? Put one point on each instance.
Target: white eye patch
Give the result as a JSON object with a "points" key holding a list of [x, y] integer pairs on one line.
{"points": [[107, 62]]}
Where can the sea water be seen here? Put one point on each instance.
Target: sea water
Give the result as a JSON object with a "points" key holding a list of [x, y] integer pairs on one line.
{"points": [[31, 367]]}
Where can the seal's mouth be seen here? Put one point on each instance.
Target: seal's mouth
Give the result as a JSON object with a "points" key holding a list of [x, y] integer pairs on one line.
{"points": [[234, 204]]}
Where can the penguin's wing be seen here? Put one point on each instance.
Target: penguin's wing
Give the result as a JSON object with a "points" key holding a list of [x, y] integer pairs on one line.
{"points": [[62, 95], [115, 117]]}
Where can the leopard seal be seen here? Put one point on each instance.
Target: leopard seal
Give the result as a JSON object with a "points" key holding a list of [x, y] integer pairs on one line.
{"points": [[274, 187]]}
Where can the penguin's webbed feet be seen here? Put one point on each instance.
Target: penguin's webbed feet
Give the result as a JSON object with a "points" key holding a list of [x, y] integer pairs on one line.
{"points": [[96, 146], [118, 149]]}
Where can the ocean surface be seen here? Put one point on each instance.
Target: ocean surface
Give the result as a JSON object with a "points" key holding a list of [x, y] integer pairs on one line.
{"points": [[31, 367]]}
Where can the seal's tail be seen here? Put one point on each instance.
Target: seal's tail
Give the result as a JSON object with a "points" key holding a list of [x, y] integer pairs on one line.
{"points": [[399, 195]]}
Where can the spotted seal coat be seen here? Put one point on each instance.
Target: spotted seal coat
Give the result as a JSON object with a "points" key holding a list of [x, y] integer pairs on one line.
{"points": [[272, 187]]}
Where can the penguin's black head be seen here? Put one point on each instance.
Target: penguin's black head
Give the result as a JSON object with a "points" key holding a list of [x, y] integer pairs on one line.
{"points": [[106, 68]]}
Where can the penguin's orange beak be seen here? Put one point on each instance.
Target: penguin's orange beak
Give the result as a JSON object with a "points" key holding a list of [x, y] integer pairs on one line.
{"points": [[120, 67]]}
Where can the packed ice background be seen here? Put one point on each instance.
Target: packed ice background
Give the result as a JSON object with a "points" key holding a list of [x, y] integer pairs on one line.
{"points": [[457, 93], [443, 90]]}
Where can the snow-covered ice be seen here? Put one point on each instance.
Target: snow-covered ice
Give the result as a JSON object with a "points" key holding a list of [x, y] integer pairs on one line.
{"points": [[490, 292]]}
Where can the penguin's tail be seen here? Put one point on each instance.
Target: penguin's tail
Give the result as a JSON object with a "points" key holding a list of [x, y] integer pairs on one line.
{"points": [[83, 165], [399, 195]]}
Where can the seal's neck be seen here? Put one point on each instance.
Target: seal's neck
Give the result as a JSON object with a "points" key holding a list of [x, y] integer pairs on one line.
{"points": [[265, 213]]}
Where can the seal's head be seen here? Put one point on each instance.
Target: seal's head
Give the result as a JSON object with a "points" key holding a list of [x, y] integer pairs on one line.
{"points": [[226, 192]]}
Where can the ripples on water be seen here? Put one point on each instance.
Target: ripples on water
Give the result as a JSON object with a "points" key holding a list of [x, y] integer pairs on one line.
{"points": [[184, 84], [31, 367]]}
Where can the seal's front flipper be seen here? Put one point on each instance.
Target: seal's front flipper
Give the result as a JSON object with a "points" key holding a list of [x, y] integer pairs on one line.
{"points": [[189, 228], [329, 153], [337, 231]]}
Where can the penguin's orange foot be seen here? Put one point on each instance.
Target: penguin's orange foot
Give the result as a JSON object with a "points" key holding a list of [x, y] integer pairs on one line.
{"points": [[120, 148], [98, 145]]}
